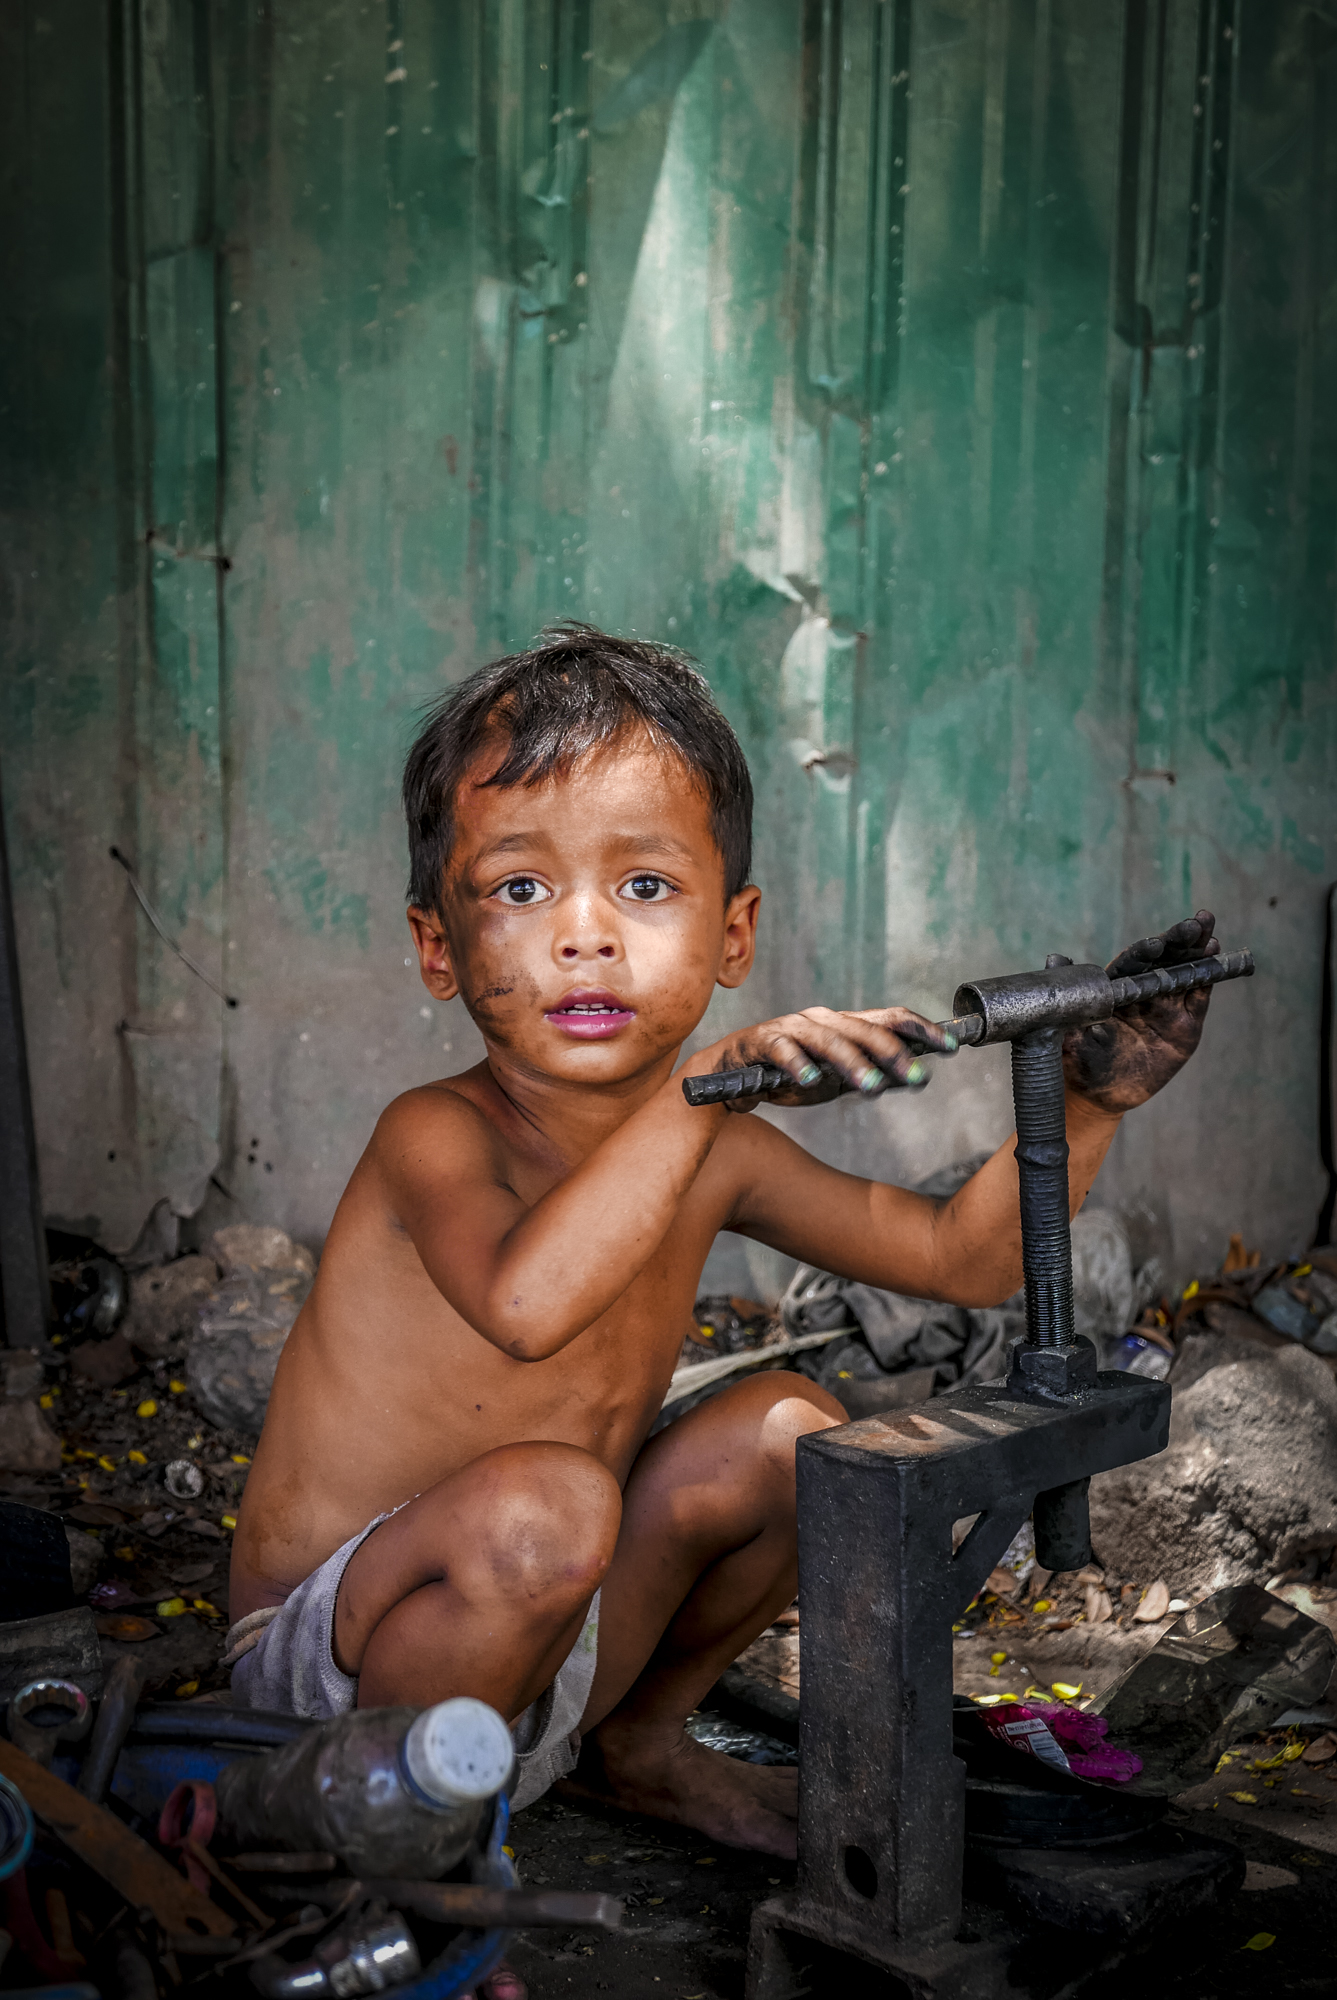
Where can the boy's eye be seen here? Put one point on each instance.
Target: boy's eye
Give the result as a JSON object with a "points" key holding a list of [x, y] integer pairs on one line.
{"points": [[522, 890], [648, 888]]}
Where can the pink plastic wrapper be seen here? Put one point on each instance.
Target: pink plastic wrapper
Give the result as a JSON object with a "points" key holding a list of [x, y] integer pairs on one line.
{"points": [[1068, 1738]]}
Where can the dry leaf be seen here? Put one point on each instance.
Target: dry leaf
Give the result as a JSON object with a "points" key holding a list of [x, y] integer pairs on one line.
{"points": [[1098, 1606], [1321, 1750], [1089, 1575], [125, 1627], [1155, 1604], [1002, 1582]]}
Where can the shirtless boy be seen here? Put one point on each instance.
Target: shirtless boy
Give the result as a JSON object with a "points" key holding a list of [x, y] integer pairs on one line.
{"points": [[511, 1269]]}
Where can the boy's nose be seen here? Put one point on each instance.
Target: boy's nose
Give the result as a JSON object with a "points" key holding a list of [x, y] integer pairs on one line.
{"points": [[588, 933]]}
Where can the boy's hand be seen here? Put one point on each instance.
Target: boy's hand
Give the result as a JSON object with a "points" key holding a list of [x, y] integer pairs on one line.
{"points": [[1120, 1063], [829, 1053]]}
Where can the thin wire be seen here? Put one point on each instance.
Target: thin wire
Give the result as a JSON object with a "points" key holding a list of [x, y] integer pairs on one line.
{"points": [[163, 932]]}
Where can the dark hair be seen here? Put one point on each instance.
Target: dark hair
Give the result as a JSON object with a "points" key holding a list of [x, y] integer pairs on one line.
{"points": [[576, 689]]}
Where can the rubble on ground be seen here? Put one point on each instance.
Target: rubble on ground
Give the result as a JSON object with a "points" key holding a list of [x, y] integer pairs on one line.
{"points": [[1249, 1481], [243, 1322], [141, 1450]]}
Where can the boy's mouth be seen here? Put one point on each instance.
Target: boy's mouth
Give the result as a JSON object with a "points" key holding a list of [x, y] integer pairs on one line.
{"points": [[590, 1015]]}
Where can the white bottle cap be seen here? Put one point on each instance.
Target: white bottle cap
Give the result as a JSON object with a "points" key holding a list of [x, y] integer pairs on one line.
{"points": [[459, 1752]]}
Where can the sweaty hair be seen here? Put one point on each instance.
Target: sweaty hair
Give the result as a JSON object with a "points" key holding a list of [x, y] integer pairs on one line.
{"points": [[575, 691]]}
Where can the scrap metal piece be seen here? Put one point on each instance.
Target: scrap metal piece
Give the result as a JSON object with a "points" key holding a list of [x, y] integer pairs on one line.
{"points": [[1227, 1668], [116, 1712], [47, 1712], [471, 1905], [129, 1864], [343, 1966]]}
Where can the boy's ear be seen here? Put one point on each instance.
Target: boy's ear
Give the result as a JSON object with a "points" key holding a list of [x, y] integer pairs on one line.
{"points": [[740, 937], [430, 943]]}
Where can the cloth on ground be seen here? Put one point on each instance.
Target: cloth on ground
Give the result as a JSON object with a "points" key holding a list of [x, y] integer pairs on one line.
{"points": [[891, 1333], [284, 1662]]}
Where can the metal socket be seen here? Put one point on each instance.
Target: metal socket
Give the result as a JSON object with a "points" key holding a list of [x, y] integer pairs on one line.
{"points": [[1060, 996]]}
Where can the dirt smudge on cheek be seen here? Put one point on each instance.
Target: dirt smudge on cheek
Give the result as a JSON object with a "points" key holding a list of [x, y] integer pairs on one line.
{"points": [[501, 999]]}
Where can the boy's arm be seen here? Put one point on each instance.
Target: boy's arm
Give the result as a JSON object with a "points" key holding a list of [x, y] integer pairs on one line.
{"points": [[968, 1249], [530, 1277]]}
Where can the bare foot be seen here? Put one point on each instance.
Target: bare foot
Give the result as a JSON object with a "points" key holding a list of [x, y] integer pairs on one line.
{"points": [[503, 1984], [740, 1805]]}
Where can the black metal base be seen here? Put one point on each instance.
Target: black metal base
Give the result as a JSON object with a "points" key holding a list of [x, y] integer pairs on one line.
{"points": [[1096, 1906]]}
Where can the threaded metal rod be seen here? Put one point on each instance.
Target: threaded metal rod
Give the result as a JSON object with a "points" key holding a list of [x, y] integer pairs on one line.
{"points": [[1042, 1172]]}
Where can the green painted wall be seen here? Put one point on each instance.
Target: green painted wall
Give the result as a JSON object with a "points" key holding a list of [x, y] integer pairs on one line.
{"points": [[955, 377]]}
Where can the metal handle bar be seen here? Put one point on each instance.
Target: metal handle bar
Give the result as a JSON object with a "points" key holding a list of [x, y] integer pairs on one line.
{"points": [[1001, 1010]]}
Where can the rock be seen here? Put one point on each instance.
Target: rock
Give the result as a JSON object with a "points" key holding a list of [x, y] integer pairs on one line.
{"points": [[105, 1362], [85, 1560], [1249, 1481], [163, 1305], [62, 1644], [27, 1441], [21, 1371], [242, 1327], [256, 1246]]}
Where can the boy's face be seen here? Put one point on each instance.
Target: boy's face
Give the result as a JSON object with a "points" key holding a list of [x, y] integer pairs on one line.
{"points": [[585, 920]]}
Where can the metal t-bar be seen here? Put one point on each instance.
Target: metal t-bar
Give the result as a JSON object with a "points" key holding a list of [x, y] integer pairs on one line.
{"points": [[1033, 1011], [1000, 1010]]}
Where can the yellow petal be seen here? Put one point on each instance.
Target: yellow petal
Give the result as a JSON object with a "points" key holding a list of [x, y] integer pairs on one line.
{"points": [[46, 1402], [1042, 1604], [1067, 1690], [240, 1458], [177, 1388], [107, 1464], [1260, 1941], [1191, 1290], [148, 1408], [125, 1554], [1245, 1798], [998, 1658], [171, 1607], [136, 1458], [203, 1604], [186, 1687], [229, 1520]]}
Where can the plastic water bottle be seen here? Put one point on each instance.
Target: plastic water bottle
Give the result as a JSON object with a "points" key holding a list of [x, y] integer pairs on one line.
{"points": [[1142, 1357], [390, 1791]]}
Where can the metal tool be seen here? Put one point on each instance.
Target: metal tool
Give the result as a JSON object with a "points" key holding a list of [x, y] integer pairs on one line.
{"points": [[1064, 995], [1033, 1011], [882, 1877]]}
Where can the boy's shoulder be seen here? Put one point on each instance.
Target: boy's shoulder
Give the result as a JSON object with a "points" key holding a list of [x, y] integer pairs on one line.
{"points": [[451, 1111]]}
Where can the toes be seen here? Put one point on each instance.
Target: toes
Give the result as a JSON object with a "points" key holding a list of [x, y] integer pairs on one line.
{"points": [[504, 1984]]}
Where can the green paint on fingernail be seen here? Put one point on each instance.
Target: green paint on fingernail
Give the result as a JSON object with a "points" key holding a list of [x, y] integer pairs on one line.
{"points": [[916, 1073], [949, 1045], [809, 1075], [872, 1079]]}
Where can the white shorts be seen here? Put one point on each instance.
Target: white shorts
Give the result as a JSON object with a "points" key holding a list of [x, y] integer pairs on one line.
{"points": [[282, 1660]]}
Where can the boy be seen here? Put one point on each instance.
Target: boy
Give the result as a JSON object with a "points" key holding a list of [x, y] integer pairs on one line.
{"points": [[453, 1493]]}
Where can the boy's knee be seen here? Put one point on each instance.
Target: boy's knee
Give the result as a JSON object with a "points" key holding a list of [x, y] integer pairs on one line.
{"points": [[550, 1521], [784, 1407]]}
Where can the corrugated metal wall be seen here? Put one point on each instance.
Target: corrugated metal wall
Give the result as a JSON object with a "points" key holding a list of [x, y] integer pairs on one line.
{"points": [[955, 377]]}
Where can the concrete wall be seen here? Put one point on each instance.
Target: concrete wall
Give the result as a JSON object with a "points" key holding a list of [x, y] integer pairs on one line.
{"points": [[955, 377]]}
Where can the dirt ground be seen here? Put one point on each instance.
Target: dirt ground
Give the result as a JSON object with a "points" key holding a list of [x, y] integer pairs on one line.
{"points": [[689, 1906]]}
